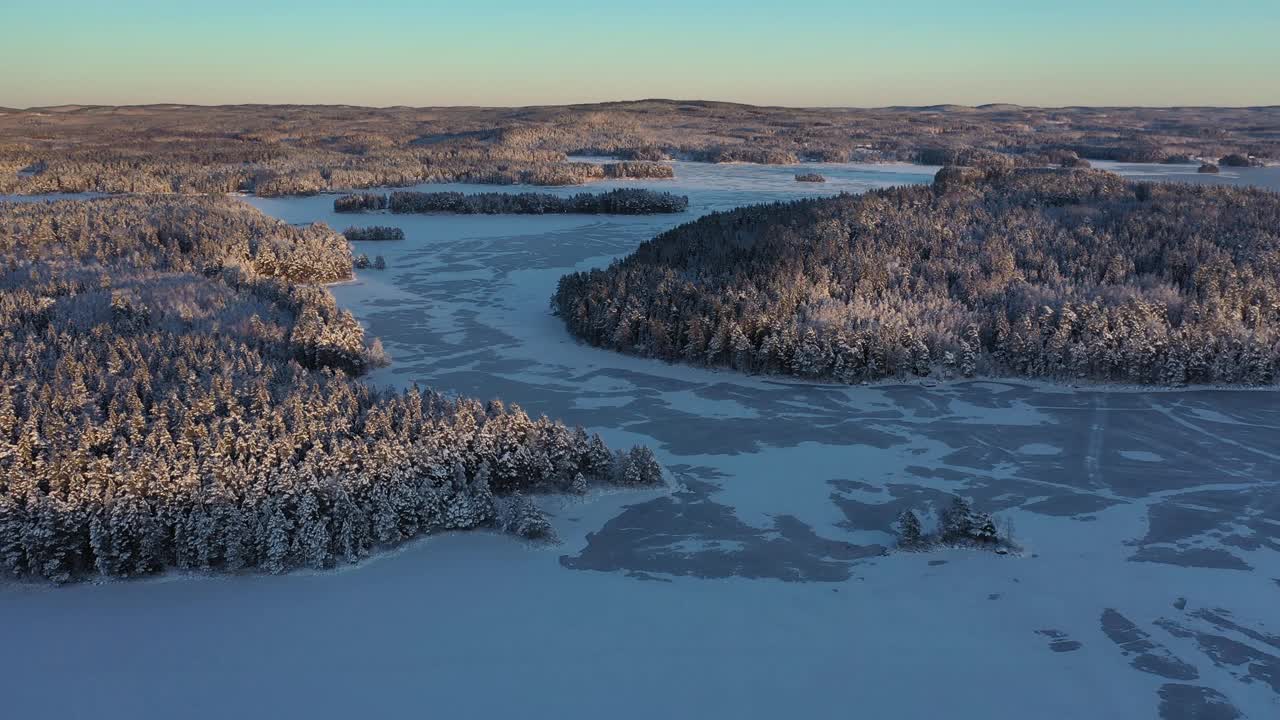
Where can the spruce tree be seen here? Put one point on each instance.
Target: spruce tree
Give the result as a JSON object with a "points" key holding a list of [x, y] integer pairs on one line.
{"points": [[984, 529], [910, 534], [957, 521]]}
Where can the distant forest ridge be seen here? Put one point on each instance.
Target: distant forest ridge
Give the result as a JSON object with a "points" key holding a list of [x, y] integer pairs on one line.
{"points": [[1069, 274], [291, 150]]}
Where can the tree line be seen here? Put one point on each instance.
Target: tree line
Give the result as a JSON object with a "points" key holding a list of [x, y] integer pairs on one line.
{"points": [[623, 201], [1064, 274], [176, 393]]}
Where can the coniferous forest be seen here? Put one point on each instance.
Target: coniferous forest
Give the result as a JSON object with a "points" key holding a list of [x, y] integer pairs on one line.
{"points": [[1068, 274], [178, 391]]}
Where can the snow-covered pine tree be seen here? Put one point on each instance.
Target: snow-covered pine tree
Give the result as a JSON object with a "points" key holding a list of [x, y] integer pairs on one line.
{"points": [[311, 535], [743, 353], [811, 359], [984, 529], [480, 490], [716, 346], [343, 519], [13, 523], [956, 523], [228, 517], [968, 361], [8, 419], [520, 516], [45, 538], [275, 551], [640, 467], [910, 534], [920, 359], [598, 459]]}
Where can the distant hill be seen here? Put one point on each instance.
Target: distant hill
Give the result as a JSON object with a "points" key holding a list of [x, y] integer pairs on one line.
{"points": [[295, 149]]}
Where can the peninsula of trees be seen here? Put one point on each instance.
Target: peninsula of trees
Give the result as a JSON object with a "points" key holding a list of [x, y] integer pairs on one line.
{"points": [[623, 201], [1051, 273], [177, 392], [291, 150]]}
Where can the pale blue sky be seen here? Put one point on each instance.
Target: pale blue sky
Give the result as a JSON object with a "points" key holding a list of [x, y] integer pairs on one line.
{"points": [[513, 52]]}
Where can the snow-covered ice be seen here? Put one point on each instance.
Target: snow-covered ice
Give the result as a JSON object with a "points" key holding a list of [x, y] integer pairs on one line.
{"points": [[757, 586]]}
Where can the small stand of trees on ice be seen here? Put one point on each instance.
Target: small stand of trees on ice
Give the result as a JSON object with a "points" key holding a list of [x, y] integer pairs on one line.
{"points": [[624, 201], [958, 525], [176, 393], [374, 233], [810, 178], [1042, 273], [362, 262]]}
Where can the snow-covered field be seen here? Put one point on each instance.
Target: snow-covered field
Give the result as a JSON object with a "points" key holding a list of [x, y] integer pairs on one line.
{"points": [[756, 586]]}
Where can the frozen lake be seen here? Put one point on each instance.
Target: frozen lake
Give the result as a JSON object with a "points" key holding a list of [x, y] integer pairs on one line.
{"points": [[1264, 177], [756, 586]]}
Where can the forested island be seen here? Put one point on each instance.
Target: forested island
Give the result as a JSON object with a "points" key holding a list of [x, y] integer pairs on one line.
{"points": [[810, 177], [958, 525], [178, 391], [374, 233], [297, 150], [623, 201], [1069, 274], [1238, 160]]}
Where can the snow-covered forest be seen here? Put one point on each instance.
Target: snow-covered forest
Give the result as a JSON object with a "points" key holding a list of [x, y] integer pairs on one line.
{"points": [[175, 392], [261, 166], [292, 150], [622, 201], [1042, 273]]}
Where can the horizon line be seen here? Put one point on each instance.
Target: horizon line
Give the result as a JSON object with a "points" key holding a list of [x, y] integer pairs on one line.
{"points": [[72, 106]]}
